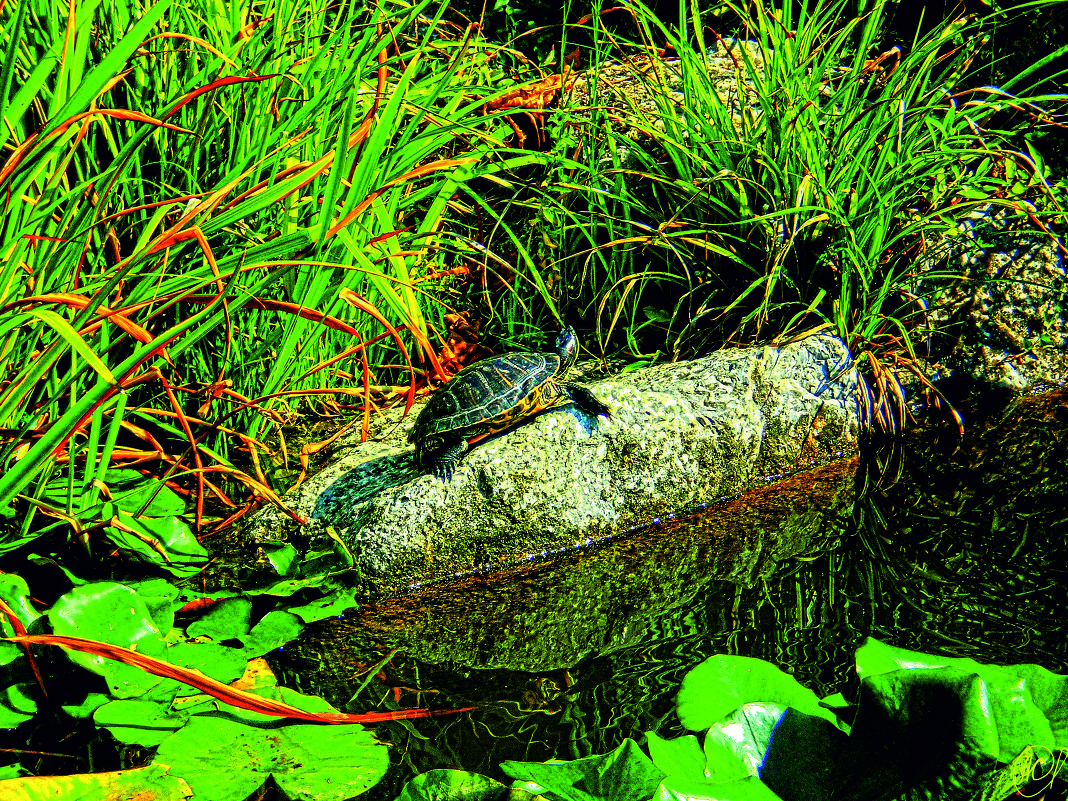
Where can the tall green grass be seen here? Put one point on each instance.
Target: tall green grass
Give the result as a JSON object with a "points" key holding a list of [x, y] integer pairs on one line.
{"points": [[215, 217], [209, 212], [810, 203]]}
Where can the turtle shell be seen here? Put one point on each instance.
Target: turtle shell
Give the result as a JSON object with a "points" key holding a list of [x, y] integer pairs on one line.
{"points": [[491, 395]]}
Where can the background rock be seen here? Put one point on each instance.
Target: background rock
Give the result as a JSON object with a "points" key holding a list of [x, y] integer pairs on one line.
{"points": [[999, 289]]}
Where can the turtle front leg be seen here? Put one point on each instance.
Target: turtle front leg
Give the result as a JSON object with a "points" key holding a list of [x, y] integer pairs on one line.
{"points": [[445, 459], [586, 400]]}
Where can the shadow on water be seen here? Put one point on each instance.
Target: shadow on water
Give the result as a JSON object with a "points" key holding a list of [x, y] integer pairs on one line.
{"points": [[954, 547]]}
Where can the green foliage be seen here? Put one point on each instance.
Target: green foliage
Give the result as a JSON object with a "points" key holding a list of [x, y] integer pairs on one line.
{"points": [[198, 234], [194, 732], [457, 784], [212, 213], [167, 542], [805, 199], [151, 781], [752, 745], [15, 592], [718, 685], [17, 705], [208, 214], [307, 761], [625, 773], [117, 614], [1022, 705]]}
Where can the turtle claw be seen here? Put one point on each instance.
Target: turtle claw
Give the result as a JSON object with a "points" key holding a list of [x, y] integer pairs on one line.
{"points": [[587, 401], [446, 459]]}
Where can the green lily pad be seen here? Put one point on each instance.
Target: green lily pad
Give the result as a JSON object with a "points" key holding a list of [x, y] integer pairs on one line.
{"points": [[16, 705], [284, 558], [456, 785], [721, 684], [333, 605], [749, 789], [273, 631], [146, 496], [625, 774], [92, 702], [1025, 705], [227, 620], [681, 757], [115, 614], [149, 782], [226, 757], [166, 542], [139, 722], [15, 593]]}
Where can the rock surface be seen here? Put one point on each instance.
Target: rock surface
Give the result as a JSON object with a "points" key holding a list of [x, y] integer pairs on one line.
{"points": [[681, 436], [998, 318]]}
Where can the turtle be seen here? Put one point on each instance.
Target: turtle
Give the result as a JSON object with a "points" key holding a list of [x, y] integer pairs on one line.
{"points": [[495, 394]]}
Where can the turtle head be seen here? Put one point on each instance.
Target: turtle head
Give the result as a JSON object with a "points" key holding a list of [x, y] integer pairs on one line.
{"points": [[567, 347]]}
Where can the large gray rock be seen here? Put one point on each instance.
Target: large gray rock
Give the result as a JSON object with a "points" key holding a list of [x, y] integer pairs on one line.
{"points": [[681, 436]]}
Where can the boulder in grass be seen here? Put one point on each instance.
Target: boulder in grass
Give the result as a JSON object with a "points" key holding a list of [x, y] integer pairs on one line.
{"points": [[681, 436]]}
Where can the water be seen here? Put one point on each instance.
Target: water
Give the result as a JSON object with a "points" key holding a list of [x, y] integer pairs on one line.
{"points": [[954, 547]]}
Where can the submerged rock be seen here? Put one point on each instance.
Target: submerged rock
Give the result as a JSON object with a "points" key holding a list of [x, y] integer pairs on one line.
{"points": [[681, 436]]}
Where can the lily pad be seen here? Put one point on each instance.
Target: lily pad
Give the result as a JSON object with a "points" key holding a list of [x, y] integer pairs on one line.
{"points": [[227, 756], [111, 613], [625, 774]]}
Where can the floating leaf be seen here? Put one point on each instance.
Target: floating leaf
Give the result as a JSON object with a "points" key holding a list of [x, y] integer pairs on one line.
{"points": [[128, 490], [217, 689], [457, 785], [283, 557], [721, 684], [227, 620], [1024, 704], [145, 723], [12, 771], [16, 705], [92, 702], [163, 541], [681, 757], [625, 773], [275, 630], [225, 759], [160, 596], [735, 746], [333, 605], [16, 594], [149, 782], [115, 614], [750, 789], [215, 661]]}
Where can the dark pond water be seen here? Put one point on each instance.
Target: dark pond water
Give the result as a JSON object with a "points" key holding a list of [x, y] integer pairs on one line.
{"points": [[955, 547]]}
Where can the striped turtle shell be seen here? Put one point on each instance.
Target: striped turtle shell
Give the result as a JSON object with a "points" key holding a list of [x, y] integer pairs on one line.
{"points": [[494, 394]]}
